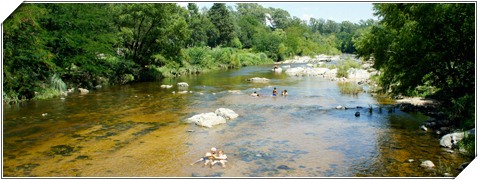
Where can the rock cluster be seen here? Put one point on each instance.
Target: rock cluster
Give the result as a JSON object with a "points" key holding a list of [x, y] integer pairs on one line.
{"points": [[210, 119]]}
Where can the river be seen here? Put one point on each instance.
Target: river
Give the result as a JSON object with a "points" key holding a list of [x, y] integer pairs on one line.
{"points": [[138, 130]]}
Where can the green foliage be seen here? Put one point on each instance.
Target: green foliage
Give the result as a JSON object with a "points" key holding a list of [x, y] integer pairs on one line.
{"points": [[27, 59], [468, 144], [424, 40], [462, 111], [51, 46], [57, 84], [344, 65], [222, 19]]}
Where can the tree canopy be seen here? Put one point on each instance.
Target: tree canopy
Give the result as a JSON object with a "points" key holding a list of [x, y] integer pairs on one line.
{"points": [[423, 44], [90, 44]]}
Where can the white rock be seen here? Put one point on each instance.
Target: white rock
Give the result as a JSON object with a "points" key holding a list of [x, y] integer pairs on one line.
{"points": [[83, 91], [183, 84], [258, 79], [182, 92], [427, 164], [226, 113], [166, 86], [358, 74], [297, 71], [423, 128], [207, 119], [451, 139]]}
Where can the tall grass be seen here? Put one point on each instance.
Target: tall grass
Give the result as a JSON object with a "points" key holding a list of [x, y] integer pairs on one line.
{"points": [[344, 65], [56, 87], [198, 60], [349, 88]]}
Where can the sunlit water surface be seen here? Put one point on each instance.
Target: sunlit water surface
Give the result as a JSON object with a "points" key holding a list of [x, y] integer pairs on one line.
{"points": [[139, 130]]}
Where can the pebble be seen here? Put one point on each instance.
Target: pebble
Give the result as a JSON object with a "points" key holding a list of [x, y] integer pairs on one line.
{"points": [[423, 128]]}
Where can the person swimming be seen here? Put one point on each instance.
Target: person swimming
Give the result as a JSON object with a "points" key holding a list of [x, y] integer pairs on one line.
{"points": [[208, 158], [255, 94], [221, 158], [285, 93], [274, 92]]}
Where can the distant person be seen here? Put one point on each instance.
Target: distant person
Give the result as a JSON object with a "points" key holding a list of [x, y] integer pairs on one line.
{"points": [[254, 94], [221, 158], [285, 93], [208, 158], [274, 92]]}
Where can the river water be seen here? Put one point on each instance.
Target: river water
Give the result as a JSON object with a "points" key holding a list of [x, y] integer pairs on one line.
{"points": [[138, 130]]}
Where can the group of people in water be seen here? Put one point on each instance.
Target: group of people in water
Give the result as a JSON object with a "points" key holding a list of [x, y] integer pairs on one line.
{"points": [[211, 158], [274, 93]]}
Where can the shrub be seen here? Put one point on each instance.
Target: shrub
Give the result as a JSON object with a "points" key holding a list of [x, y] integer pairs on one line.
{"points": [[344, 65]]}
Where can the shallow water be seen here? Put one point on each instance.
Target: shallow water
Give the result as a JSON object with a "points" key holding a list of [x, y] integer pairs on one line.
{"points": [[138, 130]]}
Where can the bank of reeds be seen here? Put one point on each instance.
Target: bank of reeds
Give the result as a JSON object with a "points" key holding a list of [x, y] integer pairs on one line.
{"points": [[344, 65], [350, 88], [198, 60]]}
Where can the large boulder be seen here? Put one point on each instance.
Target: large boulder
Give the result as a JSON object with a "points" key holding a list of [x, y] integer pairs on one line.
{"points": [[297, 71], [213, 118], [207, 119], [358, 74], [226, 113], [451, 139]]}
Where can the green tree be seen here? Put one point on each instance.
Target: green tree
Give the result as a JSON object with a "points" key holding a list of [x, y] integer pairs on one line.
{"points": [[416, 44], [80, 35], [27, 60], [202, 30], [280, 18], [147, 29], [222, 19]]}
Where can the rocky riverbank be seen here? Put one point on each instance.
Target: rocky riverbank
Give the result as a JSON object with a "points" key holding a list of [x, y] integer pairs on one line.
{"points": [[438, 122]]}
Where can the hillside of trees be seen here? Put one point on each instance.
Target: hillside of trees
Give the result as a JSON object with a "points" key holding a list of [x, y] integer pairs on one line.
{"points": [[50, 47]]}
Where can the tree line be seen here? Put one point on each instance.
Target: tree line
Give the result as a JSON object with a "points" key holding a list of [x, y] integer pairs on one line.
{"points": [[50, 47], [426, 49]]}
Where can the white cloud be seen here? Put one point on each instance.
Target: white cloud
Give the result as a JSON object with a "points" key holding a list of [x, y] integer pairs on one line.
{"points": [[306, 17], [182, 4]]}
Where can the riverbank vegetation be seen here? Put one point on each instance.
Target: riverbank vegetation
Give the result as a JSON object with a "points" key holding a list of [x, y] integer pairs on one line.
{"points": [[426, 49], [86, 45]]}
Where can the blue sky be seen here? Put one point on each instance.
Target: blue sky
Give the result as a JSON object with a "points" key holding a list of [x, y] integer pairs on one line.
{"points": [[337, 11]]}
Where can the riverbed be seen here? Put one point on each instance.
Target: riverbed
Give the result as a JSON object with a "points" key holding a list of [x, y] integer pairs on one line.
{"points": [[139, 130]]}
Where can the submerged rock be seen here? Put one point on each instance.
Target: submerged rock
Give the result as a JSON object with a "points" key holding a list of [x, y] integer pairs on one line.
{"points": [[284, 167], [258, 79], [357, 114]]}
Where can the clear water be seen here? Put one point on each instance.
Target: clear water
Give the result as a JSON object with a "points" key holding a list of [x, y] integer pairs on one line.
{"points": [[139, 130]]}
